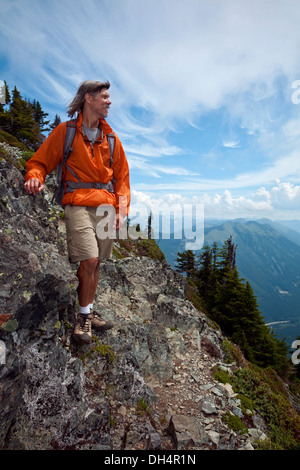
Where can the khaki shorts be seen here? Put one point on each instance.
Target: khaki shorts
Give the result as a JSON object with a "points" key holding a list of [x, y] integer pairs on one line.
{"points": [[82, 239]]}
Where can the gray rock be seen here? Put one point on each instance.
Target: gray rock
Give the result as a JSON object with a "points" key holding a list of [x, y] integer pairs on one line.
{"points": [[186, 431], [209, 405]]}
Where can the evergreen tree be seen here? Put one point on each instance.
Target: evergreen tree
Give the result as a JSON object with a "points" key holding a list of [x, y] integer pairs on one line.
{"points": [[149, 226], [186, 263], [55, 123], [39, 116], [205, 272], [228, 255], [230, 302], [22, 123]]}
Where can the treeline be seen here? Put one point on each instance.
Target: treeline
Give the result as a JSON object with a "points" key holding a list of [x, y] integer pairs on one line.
{"points": [[22, 118], [231, 303]]}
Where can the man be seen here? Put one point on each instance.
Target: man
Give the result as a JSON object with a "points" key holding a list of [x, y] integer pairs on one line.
{"points": [[89, 163]]}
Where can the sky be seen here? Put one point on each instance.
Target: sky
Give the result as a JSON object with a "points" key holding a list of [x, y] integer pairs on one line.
{"points": [[205, 93]]}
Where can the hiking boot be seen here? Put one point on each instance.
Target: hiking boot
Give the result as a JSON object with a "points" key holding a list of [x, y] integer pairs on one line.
{"points": [[99, 323], [83, 328]]}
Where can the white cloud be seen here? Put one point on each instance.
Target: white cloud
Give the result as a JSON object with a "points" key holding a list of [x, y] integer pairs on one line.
{"points": [[286, 196], [233, 144], [155, 170], [292, 128], [170, 57], [280, 201], [171, 63]]}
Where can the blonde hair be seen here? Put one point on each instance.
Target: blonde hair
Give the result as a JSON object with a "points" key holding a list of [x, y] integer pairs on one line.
{"points": [[89, 86]]}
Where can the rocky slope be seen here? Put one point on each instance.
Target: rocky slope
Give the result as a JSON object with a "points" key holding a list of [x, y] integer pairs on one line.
{"points": [[146, 384]]}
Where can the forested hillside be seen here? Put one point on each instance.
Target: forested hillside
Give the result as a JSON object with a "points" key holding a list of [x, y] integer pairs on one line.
{"points": [[268, 256], [23, 118], [230, 302]]}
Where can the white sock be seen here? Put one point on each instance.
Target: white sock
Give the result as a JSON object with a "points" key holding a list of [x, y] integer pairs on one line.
{"points": [[91, 306], [84, 310]]}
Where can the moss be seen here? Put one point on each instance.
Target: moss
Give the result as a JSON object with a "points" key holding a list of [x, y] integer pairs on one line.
{"points": [[104, 350], [193, 296], [19, 162], [235, 423], [173, 329], [57, 325], [232, 352], [26, 155], [117, 254], [27, 295], [10, 326], [151, 249], [112, 421], [246, 404], [13, 141], [221, 375]]}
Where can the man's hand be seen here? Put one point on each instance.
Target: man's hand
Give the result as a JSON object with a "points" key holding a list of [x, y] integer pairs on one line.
{"points": [[119, 221], [33, 186]]}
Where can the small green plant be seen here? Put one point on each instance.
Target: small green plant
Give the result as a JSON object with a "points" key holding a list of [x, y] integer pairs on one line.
{"points": [[101, 349], [57, 325], [235, 423], [232, 352], [257, 385], [112, 421], [173, 328], [149, 248], [221, 375], [246, 404], [142, 408]]}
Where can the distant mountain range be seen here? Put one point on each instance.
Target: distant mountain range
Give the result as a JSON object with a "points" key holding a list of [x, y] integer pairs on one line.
{"points": [[268, 256]]}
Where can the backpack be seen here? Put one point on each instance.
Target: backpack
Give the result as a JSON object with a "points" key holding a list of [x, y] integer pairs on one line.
{"points": [[70, 186]]}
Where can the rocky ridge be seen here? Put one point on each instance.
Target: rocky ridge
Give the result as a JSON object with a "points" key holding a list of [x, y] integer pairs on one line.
{"points": [[146, 384]]}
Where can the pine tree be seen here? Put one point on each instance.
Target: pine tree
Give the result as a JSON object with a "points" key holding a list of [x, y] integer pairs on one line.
{"points": [[205, 271], [39, 116], [22, 123], [231, 303], [55, 123], [149, 226], [186, 263]]}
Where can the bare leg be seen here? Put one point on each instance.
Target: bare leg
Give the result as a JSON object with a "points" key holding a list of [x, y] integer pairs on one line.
{"points": [[88, 276]]}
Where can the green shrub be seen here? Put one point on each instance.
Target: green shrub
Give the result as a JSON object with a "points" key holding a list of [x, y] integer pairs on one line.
{"points": [[221, 375], [256, 384], [235, 423]]}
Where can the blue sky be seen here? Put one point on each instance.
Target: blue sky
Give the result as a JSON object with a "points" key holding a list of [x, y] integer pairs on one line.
{"points": [[204, 92]]}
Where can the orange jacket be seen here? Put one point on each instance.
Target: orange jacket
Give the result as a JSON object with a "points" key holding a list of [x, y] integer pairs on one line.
{"points": [[91, 164]]}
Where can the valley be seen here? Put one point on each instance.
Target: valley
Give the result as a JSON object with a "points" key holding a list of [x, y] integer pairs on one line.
{"points": [[268, 256]]}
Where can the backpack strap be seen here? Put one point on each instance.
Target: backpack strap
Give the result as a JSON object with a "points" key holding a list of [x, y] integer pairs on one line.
{"points": [[111, 142], [70, 134]]}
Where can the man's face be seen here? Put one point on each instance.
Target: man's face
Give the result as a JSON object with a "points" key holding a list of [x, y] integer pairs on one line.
{"points": [[100, 103]]}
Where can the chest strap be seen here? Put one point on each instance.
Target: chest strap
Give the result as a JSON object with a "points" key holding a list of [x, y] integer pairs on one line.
{"points": [[72, 185]]}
